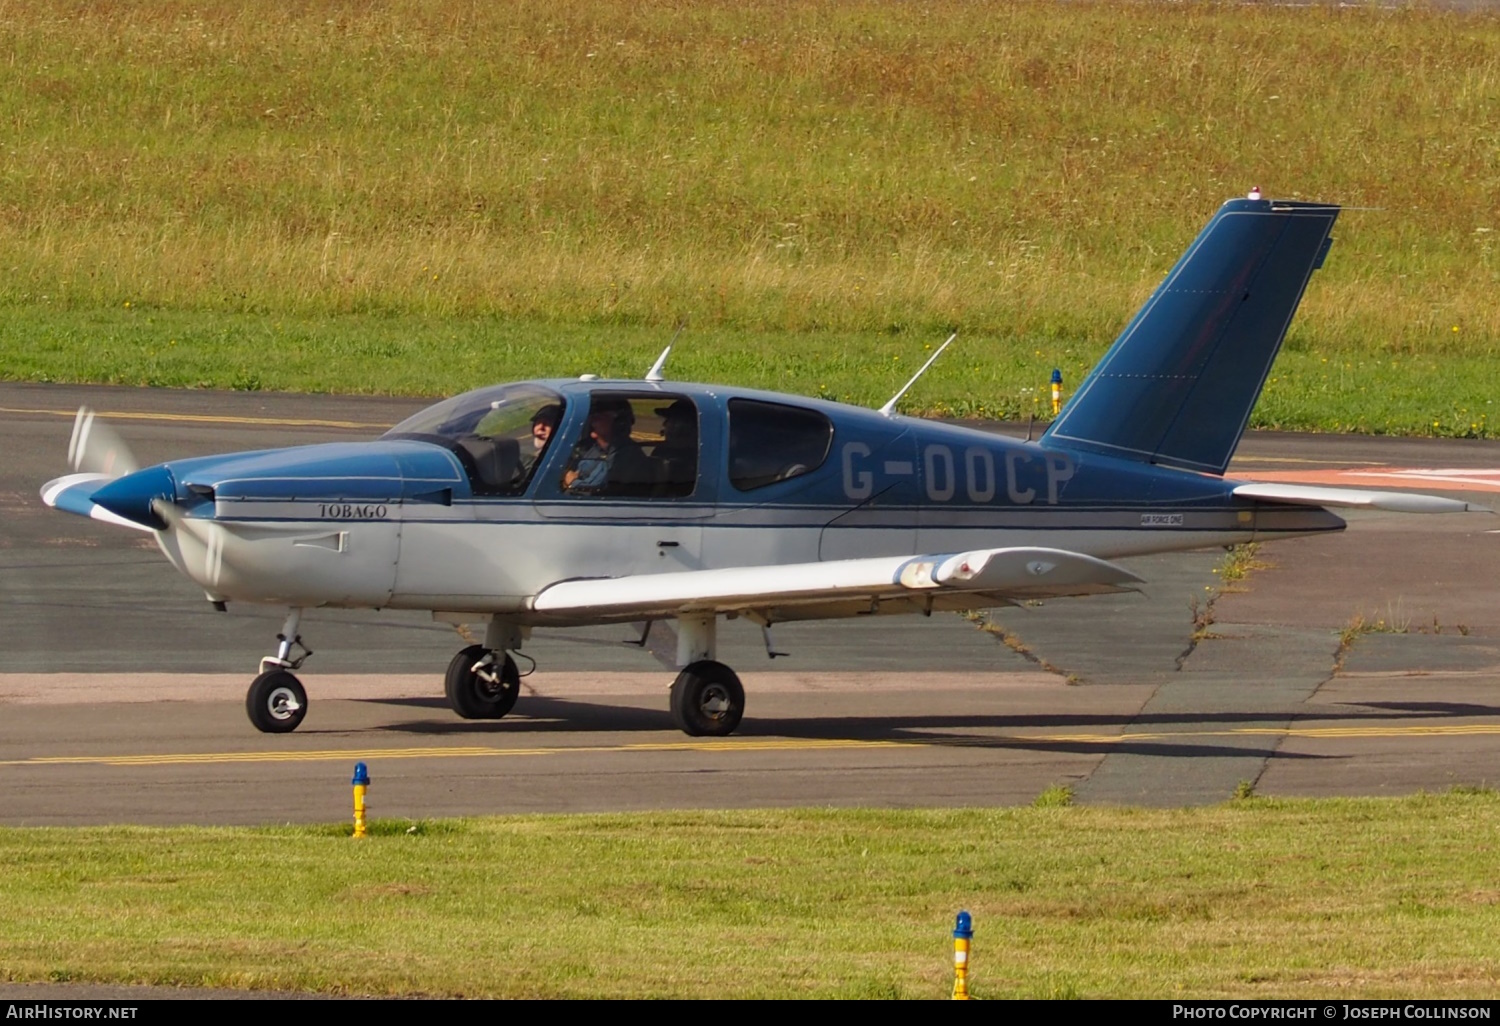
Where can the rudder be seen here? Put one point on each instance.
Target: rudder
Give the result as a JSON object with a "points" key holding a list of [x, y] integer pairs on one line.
{"points": [[1178, 385]]}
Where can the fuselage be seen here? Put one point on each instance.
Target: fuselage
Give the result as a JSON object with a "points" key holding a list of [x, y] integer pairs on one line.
{"points": [[586, 502], [447, 514]]}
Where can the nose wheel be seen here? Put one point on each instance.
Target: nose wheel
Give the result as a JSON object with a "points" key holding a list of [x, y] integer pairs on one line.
{"points": [[707, 700], [482, 684], [276, 702]]}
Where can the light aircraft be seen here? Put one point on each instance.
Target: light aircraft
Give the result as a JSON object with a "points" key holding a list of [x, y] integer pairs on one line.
{"points": [[584, 501]]}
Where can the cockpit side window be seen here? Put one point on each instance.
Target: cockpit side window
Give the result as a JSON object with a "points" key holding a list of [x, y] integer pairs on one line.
{"points": [[499, 434], [635, 446], [771, 442]]}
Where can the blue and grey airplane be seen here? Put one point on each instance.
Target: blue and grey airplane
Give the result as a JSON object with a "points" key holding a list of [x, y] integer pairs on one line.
{"points": [[577, 502]]}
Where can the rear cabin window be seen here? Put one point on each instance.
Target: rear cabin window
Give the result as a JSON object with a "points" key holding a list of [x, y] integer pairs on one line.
{"points": [[771, 442], [635, 446]]}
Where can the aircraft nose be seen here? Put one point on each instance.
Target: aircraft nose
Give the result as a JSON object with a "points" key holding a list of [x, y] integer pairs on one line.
{"points": [[131, 496]]}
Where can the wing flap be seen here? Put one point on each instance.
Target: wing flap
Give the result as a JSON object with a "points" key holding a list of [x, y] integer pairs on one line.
{"points": [[998, 575], [1315, 495]]}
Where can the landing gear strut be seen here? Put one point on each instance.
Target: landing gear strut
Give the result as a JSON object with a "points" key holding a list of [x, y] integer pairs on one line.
{"points": [[707, 697], [277, 701]]}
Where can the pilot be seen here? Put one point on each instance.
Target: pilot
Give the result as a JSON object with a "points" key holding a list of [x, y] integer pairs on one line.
{"points": [[609, 460]]}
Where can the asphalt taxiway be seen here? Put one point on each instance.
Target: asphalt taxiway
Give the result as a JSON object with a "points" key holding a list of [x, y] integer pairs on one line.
{"points": [[1361, 663]]}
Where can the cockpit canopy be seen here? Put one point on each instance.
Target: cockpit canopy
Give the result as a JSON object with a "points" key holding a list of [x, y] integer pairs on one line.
{"points": [[498, 433]]}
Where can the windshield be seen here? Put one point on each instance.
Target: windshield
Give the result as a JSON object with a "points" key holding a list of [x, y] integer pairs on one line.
{"points": [[498, 433]]}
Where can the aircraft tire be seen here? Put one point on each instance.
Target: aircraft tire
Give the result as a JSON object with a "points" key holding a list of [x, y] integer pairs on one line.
{"points": [[276, 702], [707, 700], [475, 698]]}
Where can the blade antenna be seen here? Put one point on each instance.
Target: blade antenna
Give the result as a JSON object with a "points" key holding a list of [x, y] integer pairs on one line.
{"points": [[890, 408], [655, 374]]}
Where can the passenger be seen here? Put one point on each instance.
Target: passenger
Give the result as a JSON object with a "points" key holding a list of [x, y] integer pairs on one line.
{"points": [[609, 460], [677, 455]]}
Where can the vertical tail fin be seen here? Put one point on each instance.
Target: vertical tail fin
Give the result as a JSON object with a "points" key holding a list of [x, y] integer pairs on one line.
{"points": [[1178, 385]]}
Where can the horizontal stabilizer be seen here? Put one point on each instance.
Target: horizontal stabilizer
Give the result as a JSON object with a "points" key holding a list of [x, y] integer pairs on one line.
{"points": [[1177, 386], [1007, 574], [1396, 502]]}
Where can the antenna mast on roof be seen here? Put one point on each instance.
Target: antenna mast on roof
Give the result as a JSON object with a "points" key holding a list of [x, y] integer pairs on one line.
{"points": [[890, 408], [655, 374]]}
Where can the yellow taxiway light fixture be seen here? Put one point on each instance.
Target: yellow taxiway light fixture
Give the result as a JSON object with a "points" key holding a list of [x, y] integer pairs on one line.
{"points": [[963, 932], [361, 784]]}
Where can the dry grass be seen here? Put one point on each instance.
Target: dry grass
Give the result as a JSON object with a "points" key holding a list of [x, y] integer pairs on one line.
{"points": [[775, 164], [1021, 171]]}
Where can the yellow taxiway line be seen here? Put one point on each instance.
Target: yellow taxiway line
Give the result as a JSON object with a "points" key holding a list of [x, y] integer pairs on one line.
{"points": [[737, 745], [206, 418], [208, 758]]}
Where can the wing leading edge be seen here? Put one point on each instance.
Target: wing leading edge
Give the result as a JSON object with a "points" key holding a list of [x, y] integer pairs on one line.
{"points": [[810, 590]]}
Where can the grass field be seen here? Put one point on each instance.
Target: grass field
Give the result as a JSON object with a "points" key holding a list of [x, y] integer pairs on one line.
{"points": [[1335, 898], [424, 197]]}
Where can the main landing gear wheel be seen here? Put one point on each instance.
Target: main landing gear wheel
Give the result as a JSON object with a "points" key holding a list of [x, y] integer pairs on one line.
{"points": [[276, 702], [482, 685], [707, 700]]}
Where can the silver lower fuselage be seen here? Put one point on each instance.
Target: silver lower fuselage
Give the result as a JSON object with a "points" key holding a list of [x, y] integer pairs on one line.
{"points": [[494, 557]]}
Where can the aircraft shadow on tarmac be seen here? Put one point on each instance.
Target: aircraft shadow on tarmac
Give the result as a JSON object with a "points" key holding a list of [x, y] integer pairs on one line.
{"points": [[1409, 709], [555, 715], [548, 715], [899, 731]]}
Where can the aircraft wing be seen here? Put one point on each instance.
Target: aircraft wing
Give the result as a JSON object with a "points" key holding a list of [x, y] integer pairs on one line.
{"points": [[841, 587], [1314, 495]]}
